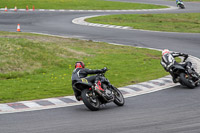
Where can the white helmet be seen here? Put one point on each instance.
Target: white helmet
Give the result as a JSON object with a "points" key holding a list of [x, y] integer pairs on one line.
{"points": [[165, 51]]}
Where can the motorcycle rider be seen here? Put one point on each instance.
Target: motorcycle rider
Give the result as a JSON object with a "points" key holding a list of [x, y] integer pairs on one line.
{"points": [[168, 61], [80, 73], [177, 1]]}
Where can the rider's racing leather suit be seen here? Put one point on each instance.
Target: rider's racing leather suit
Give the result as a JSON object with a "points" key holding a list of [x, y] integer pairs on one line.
{"points": [[80, 73], [168, 61]]}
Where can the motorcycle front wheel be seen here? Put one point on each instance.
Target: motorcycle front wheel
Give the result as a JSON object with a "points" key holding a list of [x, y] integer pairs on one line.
{"points": [[119, 98], [184, 79], [90, 101]]}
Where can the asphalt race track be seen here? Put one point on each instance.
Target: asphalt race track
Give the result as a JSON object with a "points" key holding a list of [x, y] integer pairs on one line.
{"points": [[174, 110]]}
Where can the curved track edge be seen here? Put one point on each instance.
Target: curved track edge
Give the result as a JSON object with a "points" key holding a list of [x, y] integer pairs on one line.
{"points": [[128, 91]]}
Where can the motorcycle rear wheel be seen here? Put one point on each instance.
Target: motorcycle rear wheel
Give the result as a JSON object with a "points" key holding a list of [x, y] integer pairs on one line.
{"points": [[119, 98], [90, 101], [186, 82], [181, 6]]}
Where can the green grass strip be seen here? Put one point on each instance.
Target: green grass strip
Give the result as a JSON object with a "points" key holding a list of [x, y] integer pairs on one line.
{"points": [[192, 0], [184, 22], [36, 66], [76, 4], [188, 0]]}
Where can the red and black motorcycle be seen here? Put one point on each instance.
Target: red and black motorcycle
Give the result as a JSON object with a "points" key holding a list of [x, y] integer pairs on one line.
{"points": [[102, 92]]}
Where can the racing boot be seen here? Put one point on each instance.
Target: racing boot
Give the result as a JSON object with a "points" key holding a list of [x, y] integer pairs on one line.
{"points": [[79, 98], [175, 80], [98, 87]]}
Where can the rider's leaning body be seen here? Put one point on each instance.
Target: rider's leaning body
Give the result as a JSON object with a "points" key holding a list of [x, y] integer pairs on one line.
{"points": [[168, 60], [178, 2], [81, 72]]}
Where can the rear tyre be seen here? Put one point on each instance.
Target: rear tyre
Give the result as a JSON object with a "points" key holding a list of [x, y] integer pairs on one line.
{"points": [[182, 7], [90, 101], [119, 98], [182, 83], [184, 79]]}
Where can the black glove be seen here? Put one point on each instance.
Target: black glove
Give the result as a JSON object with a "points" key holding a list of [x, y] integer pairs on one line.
{"points": [[186, 56], [104, 69]]}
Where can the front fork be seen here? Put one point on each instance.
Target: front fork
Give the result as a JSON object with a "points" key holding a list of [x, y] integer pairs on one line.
{"points": [[193, 74]]}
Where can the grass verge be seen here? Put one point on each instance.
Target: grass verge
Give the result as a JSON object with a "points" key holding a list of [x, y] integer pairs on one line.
{"points": [[37, 66], [184, 22], [192, 0], [77, 4]]}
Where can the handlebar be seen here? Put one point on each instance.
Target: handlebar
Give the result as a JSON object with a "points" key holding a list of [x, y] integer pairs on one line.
{"points": [[105, 69]]}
